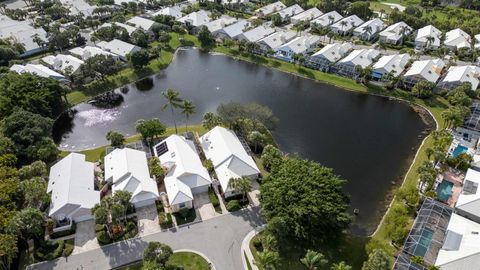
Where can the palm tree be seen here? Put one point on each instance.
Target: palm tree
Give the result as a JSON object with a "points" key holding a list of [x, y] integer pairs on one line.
{"points": [[242, 185], [173, 101], [341, 266], [429, 42], [368, 30], [313, 260], [331, 18], [187, 109], [343, 24], [267, 259]]}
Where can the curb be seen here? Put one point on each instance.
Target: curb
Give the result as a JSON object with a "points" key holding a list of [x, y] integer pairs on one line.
{"points": [[245, 249]]}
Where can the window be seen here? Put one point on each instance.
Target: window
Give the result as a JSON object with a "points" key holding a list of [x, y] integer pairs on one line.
{"points": [[182, 205]]}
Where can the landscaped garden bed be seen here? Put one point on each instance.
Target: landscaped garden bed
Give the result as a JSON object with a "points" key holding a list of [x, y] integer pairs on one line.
{"points": [[186, 260], [214, 200], [185, 216], [117, 232], [46, 250]]}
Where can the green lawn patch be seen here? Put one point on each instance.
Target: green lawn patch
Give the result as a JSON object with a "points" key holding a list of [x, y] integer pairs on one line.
{"points": [[187, 260]]}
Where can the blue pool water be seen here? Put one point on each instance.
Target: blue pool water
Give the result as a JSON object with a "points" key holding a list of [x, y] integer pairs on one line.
{"points": [[444, 190], [459, 150]]}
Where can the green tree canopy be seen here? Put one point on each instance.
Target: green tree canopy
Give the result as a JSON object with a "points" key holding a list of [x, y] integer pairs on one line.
{"points": [[271, 156], [205, 37], [157, 252], [377, 260], [28, 223], [211, 120], [314, 260], [150, 129], [423, 89], [116, 139], [138, 59]]}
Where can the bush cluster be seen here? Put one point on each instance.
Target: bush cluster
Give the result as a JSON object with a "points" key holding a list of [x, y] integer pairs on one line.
{"points": [[233, 206]]}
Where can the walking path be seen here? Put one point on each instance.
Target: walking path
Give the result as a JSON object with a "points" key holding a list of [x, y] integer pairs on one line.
{"points": [[246, 248], [219, 239]]}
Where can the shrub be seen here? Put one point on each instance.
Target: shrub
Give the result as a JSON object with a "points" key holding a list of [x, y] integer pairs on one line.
{"points": [[257, 243], [69, 245], [213, 197], [49, 250], [64, 233], [165, 220], [233, 206], [99, 227], [103, 238]]}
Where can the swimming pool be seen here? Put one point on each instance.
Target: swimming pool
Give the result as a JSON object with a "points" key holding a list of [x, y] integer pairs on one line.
{"points": [[444, 191], [459, 150]]}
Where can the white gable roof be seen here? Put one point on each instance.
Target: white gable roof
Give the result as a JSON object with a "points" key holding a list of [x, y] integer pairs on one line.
{"points": [[470, 201], [128, 170], [328, 18], [271, 8], [290, 11], [463, 74], [89, 52], [430, 70], [352, 22], [197, 18], [394, 31], [237, 28], [300, 44], [334, 52], [184, 169], [461, 246], [429, 31], [276, 39], [118, 47], [21, 31], [307, 15], [61, 62], [376, 25], [174, 11], [220, 23], [71, 183], [228, 155], [130, 29], [362, 57], [258, 33], [457, 38], [39, 70], [392, 63], [140, 22]]}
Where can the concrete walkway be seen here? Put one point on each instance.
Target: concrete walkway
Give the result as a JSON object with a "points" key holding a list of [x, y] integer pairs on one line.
{"points": [[246, 248], [85, 237], [147, 220], [219, 239]]}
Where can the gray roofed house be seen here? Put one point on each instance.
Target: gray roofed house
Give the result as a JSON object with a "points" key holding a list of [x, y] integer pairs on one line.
{"points": [[256, 33], [468, 203], [327, 19], [118, 47], [233, 30], [346, 25], [217, 25], [307, 15], [22, 32], [269, 9], [275, 40], [328, 55], [290, 11]]}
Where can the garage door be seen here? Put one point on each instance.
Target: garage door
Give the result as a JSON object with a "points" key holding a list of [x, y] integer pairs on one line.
{"points": [[199, 189], [144, 203]]}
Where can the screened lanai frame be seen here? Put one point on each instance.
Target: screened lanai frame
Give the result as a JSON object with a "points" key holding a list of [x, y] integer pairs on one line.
{"points": [[403, 262], [472, 122], [428, 231]]}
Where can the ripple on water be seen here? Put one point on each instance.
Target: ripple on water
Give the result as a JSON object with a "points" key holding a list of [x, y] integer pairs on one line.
{"points": [[95, 117]]}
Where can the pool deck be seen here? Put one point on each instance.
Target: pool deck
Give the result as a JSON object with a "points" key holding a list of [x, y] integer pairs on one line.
{"points": [[456, 177]]}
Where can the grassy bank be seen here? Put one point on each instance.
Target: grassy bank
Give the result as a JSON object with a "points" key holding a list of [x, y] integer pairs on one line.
{"points": [[129, 75], [186, 260], [98, 153]]}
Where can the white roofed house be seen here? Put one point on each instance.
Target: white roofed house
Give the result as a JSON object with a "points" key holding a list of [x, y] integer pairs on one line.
{"points": [[130, 29], [72, 190], [185, 175], [457, 39], [23, 33], [428, 37], [229, 157], [65, 63], [89, 52], [327, 19], [127, 169], [174, 11], [256, 33], [346, 25], [468, 203], [196, 19], [217, 25], [395, 33], [140, 22], [118, 47], [233, 30], [269, 9], [429, 70], [306, 16], [297, 46], [390, 64], [329, 55], [461, 246], [369, 29], [290, 11], [39, 70], [275, 40], [456, 75], [362, 57]]}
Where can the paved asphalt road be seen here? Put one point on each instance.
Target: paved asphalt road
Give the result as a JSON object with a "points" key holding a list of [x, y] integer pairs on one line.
{"points": [[218, 238]]}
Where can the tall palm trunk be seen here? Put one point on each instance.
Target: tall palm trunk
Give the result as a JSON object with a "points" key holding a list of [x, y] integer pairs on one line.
{"points": [[174, 121]]}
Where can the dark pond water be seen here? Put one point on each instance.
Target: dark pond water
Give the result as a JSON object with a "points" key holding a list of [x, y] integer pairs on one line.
{"points": [[367, 140]]}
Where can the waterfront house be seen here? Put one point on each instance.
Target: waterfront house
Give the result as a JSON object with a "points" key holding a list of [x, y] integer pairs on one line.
{"points": [[362, 57], [89, 52], [393, 64], [297, 46], [22, 32], [289, 12], [130, 29], [470, 130], [269, 9], [456, 75], [457, 39], [461, 246], [118, 47], [327, 19], [395, 33], [428, 37], [174, 11], [232, 31], [64, 63], [217, 25], [346, 25], [369, 29], [468, 203], [275, 40], [229, 157], [256, 33], [39, 70], [329, 55], [429, 70], [127, 169], [185, 175], [306, 16], [141, 23], [196, 19], [72, 190]]}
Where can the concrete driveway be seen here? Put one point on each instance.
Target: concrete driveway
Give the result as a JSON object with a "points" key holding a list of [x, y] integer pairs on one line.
{"points": [[219, 238], [204, 207], [85, 237], [147, 220]]}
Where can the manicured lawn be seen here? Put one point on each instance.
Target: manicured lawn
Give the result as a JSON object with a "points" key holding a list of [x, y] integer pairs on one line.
{"points": [[188, 260]]}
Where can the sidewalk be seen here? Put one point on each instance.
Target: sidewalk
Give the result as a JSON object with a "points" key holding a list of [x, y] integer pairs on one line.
{"points": [[246, 248]]}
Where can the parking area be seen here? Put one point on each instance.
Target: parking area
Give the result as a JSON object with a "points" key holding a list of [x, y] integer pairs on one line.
{"points": [[85, 238], [147, 220], [203, 206]]}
